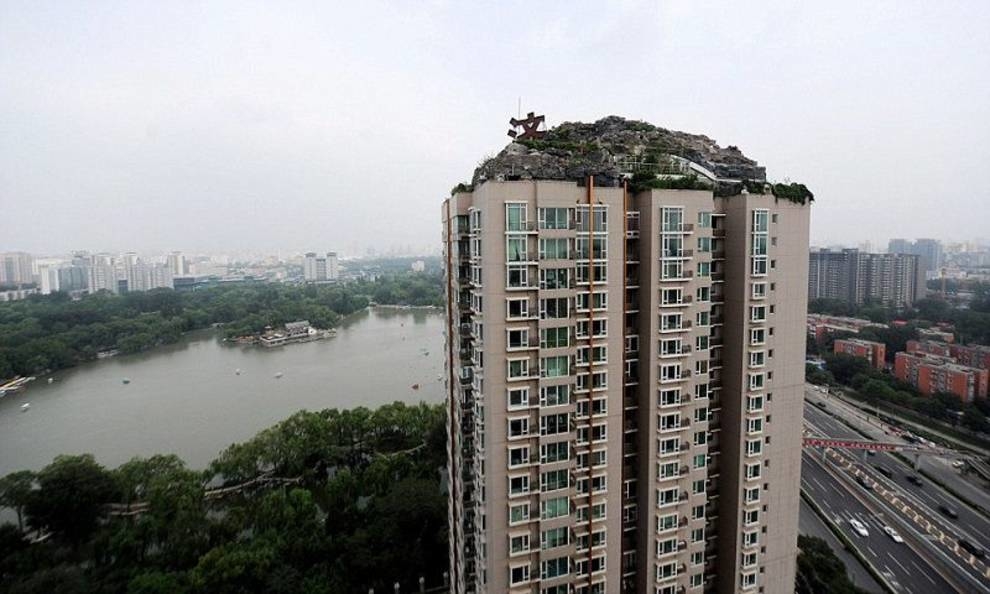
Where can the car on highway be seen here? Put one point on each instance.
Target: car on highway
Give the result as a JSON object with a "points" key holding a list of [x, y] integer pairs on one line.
{"points": [[870, 453], [894, 536], [972, 549], [859, 528], [914, 480], [884, 471], [864, 483], [958, 464], [948, 511]]}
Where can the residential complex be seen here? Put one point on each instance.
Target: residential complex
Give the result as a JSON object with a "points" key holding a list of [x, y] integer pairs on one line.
{"points": [[974, 355], [16, 268], [858, 277], [821, 324], [931, 374], [874, 352], [626, 374]]}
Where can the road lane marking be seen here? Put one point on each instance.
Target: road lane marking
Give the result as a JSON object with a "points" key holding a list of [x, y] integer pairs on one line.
{"points": [[923, 572]]}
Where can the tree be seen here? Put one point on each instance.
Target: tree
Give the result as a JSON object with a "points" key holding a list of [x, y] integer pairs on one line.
{"points": [[15, 492], [72, 490], [819, 571], [844, 367]]}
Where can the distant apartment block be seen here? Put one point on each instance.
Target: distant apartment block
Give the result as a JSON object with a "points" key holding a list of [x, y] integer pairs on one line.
{"points": [[936, 334], [820, 325], [929, 251], [859, 278], [16, 268], [874, 352], [975, 355], [320, 268], [931, 374]]}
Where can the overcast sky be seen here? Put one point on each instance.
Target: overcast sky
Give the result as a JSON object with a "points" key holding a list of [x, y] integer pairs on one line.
{"points": [[235, 126]]}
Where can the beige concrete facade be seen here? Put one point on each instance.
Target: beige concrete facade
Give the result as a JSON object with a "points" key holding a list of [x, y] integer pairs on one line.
{"points": [[623, 388]]}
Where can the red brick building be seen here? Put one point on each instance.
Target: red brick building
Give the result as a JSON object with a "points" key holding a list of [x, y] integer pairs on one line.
{"points": [[974, 355], [932, 373], [874, 352]]}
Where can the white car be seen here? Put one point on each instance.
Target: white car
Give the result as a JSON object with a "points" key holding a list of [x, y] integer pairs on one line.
{"points": [[894, 536], [859, 528], [958, 464]]}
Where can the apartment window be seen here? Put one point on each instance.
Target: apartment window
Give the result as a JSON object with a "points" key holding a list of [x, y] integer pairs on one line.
{"points": [[759, 290], [555, 507], [552, 338], [518, 427], [754, 447], [554, 395], [555, 248], [667, 470], [753, 471], [698, 487], [701, 391], [669, 421], [516, 276], [517, 338], [698, 535], [704, 244], [760, 217], [759, 247], [697, 557], [704, 269], [667, 522], [518, 368], [517, 308], [666, 546], [671, 269], [599, 244], [670, 322], [671, 296], [758, 313], [518, 485], [518, 398], [702, 318], [700, 460], [759, 266], [670, 373], [554, 452], [518, 544], [670, 346], [757, 358], [756, 381], [557, 366], [754, 426], [518, 456], [515, 249], [757, 336], [582, 273], [701, 343], [752, 494], [701, 414], [519, 574], [666, 571], [704, 219], [754, 403], [700, 438], [554, 424], [704, 294], [672, 219], [553, 480], [670, 397], [554, 308], [670, 445], [515, 216], [599, 328], [475, 218], [599, 299], [518, 513], [554, 278], [667, 497], [553, 218], [554, 568], [553, 538]]}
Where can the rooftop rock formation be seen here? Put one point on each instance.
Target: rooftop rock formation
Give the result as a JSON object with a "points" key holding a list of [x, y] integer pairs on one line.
{"points": [[611, 149]]}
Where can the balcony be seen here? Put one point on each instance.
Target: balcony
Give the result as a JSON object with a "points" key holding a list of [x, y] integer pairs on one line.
{"points": [[684, 327], [682, 228], [684, 351], [718, 232], [684, 275], [718, 255], [718, 277], [685, 301], [676, 254]]}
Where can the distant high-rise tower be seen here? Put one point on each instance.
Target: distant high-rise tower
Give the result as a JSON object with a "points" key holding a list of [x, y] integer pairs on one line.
{"points": [[318, 268], [177, 264], [614, 355], [16, 268]]}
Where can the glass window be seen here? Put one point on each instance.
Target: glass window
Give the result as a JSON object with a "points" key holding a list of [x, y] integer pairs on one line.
{"points": [[704, 219], [553, 218], [555, 507], [515, 217]]}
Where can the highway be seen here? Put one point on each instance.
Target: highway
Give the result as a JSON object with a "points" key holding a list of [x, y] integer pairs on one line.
{"points": [[902, 568], [912, 510]]}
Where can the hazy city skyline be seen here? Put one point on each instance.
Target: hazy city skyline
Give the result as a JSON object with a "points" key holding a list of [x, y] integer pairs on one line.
{"points": [[224, 127]]}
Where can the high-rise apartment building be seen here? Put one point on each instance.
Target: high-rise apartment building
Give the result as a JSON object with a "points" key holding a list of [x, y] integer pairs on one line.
{"points": [[626, 373], [177, 264], [319, 268], [929, 252], [16, 268], [857, 277]]}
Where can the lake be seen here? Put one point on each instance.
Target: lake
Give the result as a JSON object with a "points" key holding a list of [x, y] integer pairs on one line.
{"points": [[186, 398]]}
